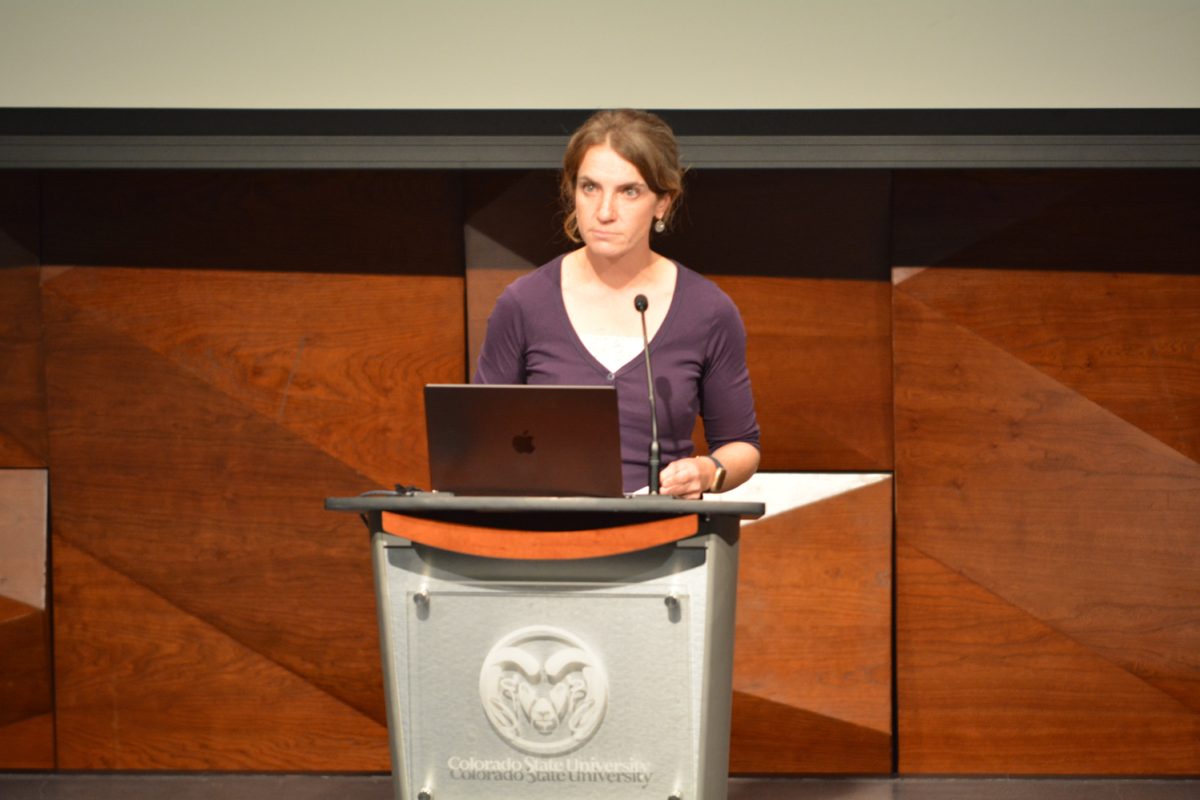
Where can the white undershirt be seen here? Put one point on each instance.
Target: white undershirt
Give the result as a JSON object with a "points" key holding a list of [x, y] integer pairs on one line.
{"points": [[613, 352]]}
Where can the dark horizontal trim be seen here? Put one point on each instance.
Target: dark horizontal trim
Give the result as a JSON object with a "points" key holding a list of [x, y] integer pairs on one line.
{"points": [[505, 123], [545, 152]]}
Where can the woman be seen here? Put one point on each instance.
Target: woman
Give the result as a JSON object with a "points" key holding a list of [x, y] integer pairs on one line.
{"points": [[573, 320]]}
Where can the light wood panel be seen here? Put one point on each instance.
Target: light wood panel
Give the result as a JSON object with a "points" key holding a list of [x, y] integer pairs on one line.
{"points": [[812, 658], [1072, 521]]}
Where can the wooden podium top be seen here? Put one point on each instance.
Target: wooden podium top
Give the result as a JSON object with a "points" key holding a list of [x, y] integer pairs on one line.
{"points": [[551, 528]]}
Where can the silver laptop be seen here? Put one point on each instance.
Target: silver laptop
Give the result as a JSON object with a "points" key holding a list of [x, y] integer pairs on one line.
{"points": [[535, 441]]}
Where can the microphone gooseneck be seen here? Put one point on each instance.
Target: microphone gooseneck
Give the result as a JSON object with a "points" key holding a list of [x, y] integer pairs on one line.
{"points": [[641, 304]]}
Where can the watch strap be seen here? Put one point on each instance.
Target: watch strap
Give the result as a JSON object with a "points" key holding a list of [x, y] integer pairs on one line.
{"points": [[719, 477]]}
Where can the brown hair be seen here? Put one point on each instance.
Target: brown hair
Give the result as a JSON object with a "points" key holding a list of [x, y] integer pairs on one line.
{"points": [[639, 137]]}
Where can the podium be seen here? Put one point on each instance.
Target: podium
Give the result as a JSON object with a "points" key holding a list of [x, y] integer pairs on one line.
{"points": [[555, 647]]}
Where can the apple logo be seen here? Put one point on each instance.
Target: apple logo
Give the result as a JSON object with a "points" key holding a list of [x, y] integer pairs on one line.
{"points": [[523, 443]]}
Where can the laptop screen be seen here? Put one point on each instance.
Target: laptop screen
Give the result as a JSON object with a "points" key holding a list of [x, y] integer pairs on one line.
{"points": [[523, 440]]}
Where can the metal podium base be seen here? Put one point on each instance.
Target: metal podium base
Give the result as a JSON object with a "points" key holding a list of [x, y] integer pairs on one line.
{"points": [[597, 677]]}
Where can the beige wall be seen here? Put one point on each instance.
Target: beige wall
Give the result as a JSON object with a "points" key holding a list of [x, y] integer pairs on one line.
{"points": [[663, 54]]}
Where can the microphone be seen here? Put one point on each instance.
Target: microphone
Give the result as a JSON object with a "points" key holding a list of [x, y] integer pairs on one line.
{"points": [[641, 304]]}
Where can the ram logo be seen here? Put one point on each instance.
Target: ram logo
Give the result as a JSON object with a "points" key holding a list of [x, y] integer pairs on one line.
{"points": [[543, 691]]}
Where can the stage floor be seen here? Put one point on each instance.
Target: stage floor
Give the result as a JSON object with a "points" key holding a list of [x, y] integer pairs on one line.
{"points": [[40, 786]]}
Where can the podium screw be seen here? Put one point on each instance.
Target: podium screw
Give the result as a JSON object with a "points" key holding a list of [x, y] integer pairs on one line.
{"points": [[421, 604], [674, 614], [424, 794]]}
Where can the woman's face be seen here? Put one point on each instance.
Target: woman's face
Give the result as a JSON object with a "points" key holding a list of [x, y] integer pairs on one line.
{"points": [[614, 207]]}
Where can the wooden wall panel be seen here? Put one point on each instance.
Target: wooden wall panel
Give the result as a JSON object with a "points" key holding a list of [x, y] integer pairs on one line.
{"points": [[1066, 640], [815, 304], [1126, 342], [820, 363], [812, 659], [986, 687], [198, 417], [26, 727], [145, 685]]}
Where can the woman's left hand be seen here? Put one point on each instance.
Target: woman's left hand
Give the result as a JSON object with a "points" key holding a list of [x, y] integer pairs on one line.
{"points": [[687, 478]]}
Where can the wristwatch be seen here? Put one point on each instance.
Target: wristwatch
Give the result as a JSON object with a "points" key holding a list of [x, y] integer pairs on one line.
{"points": [[718, 479]]}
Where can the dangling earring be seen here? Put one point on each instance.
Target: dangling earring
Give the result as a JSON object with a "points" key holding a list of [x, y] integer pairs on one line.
{"points": [[659, 226]]}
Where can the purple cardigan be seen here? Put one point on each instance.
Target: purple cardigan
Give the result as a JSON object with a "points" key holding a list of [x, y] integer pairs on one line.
{"points": [[698, 357]]}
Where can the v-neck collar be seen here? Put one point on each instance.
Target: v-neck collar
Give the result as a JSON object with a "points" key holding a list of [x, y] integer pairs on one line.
{"points": [[561, 305]]}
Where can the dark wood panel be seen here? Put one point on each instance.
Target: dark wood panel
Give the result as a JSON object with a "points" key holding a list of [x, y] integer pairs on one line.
{"points": [[1093, 220], [513, 218], [812, 661], [820, 362], [325, 221], [513, 224], [143, 685], [22, 395], [784, 223], [19, 209], [984, 687], [775, 738], [1074, 521]]}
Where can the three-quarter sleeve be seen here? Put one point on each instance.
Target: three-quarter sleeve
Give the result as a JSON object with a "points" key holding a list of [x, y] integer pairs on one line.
{"points": [[502, 356], [726, 399]]}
